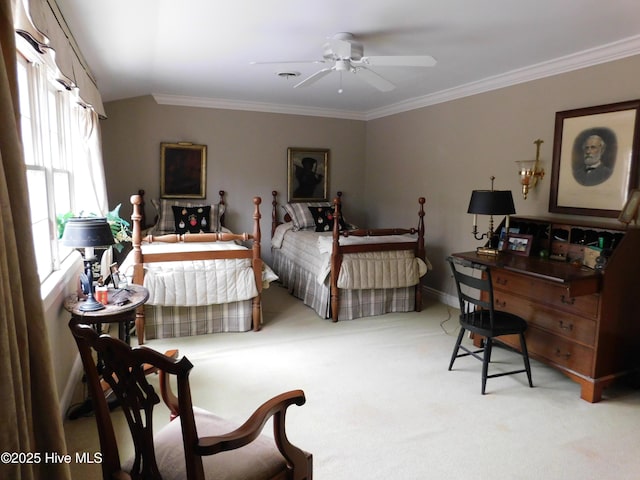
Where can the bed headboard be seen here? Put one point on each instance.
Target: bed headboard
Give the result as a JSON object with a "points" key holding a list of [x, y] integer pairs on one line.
{"points": [[279, 219], [144, 224]]}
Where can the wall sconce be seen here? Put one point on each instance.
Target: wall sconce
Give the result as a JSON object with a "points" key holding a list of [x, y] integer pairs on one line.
{"points": [[490, 202], [530, 171]]}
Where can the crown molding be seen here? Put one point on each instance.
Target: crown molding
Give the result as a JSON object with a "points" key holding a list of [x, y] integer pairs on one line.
{"points": [[185, 101], [587, 58], [606, 53]]}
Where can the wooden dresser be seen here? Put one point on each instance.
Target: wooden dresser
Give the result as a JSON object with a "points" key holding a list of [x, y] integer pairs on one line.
{"points": [[584, 322]]}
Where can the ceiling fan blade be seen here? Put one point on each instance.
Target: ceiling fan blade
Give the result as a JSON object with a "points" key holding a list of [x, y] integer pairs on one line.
{"points": [[314, 78], [372, 78], [400, 61], [286, 61]]}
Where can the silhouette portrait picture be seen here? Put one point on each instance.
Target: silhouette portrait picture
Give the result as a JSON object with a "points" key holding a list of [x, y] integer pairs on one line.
{"points": [[307, 174]]}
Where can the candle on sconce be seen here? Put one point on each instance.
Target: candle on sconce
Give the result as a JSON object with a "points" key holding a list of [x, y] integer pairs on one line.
{"points": [[475, 220], [506, 224]]}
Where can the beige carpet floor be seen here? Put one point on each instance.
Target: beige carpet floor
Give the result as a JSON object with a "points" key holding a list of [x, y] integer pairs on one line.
{"points": [[382, 405]]}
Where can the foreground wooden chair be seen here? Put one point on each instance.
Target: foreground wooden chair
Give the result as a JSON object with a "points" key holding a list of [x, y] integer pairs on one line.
{"points": [[197, 444]]}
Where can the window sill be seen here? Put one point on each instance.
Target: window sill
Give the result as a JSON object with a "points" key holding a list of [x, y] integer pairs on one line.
{"points": [[56, 287]]}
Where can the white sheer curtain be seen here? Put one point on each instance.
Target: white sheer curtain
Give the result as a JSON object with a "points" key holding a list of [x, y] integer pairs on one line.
{"points": [[89, 179]]}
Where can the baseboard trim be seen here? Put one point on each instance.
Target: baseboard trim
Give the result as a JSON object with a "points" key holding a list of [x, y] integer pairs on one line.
{"points": [[75, 376], [440, 296]]}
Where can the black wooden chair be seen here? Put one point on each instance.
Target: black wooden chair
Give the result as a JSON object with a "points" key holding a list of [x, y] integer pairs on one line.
{"points": [[197, 445], [477, 315]]}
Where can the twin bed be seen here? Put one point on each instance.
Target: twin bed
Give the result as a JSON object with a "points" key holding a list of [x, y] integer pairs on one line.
{"points": [[212, 282], [345, 273], [198, 282]]}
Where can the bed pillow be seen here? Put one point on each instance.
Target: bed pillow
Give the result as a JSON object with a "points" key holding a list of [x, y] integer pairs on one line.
{"points": [[301, 215], [192, 219], [166, 221], [323, 219]]}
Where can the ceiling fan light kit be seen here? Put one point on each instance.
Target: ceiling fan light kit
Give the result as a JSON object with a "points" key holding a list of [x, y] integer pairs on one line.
{"points": [[347, 55]]}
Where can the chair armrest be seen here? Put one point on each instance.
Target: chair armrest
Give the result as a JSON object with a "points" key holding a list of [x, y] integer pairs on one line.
{"points": [[168, 397], [251, 429]]}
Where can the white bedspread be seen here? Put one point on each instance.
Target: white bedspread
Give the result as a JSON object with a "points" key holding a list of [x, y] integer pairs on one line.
{"points": [[198, 282], [312, 250]]}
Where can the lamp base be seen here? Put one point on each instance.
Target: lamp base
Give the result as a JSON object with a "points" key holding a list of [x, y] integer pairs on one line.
{"points": [[487, 251], [90, 305]]}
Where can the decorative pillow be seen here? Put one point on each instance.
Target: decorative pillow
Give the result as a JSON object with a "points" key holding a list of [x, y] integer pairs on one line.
{"points": [[192, 219], [300, 214], [323, 219], [166, 221]]}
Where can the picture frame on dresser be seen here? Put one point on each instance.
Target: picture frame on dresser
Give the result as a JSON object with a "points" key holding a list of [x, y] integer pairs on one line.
{"points": [[595, 159], [307, 174], [519, 244], [183, 170]]}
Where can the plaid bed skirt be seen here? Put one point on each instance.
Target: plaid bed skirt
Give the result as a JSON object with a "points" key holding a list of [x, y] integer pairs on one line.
{"points": [[170, 322], [302, 284]]}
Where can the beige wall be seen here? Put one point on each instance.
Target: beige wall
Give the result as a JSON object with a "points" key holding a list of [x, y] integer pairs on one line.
{"points": [[445, 151], [247, 153], [441, 152]]}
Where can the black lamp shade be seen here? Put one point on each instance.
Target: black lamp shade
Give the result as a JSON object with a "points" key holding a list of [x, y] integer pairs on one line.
{"points": [[82, 232], [491, 202]]}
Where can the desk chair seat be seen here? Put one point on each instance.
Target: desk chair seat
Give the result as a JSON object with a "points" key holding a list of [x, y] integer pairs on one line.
{"points": [[196, 444], [478, 316]]}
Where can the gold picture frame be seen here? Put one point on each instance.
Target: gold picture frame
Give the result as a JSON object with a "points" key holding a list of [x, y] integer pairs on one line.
{"points": [[630, 211], [183, 170], [307, 174], [595, 159]]}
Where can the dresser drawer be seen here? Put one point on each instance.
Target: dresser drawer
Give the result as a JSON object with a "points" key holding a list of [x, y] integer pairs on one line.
{"points": [[556, 350], [549, 293], [574, 328]]}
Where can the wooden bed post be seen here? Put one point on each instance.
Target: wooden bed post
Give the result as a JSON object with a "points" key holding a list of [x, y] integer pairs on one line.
{"points": [[420, 253], [257, 266], [336, 260], [222, 204], [138, 271], [274, 212]]}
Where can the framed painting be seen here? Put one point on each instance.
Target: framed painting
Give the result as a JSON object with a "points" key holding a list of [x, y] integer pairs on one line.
{"points": [[595, 159], [183, 170], [519, 244], [307, 174]]}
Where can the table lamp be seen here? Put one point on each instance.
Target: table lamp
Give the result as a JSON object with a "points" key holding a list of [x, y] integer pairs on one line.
{"points": [[490, 202], [88, 233]]}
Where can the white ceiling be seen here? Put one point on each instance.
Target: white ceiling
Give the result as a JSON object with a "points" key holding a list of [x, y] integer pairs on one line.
{"points": [[199, 51]]}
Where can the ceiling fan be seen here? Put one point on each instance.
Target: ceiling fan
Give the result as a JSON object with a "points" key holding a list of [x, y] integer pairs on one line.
{"points": [[345, 54]]}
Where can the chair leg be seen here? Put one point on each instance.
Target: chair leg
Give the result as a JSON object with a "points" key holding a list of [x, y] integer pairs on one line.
{"points": [[454, 355], [525, 356], [485, 362]]}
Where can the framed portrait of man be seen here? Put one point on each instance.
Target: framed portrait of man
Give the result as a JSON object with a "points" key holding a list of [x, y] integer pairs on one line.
{"points": [[595, 159]]}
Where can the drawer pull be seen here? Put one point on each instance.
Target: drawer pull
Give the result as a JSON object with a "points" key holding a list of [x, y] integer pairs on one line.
{"points": [[560, 354], [501, 281], [500, 304], [566, 326], [568, 301]]}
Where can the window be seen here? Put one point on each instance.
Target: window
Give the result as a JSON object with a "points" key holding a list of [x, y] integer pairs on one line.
{"points": [[46, 110]]}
